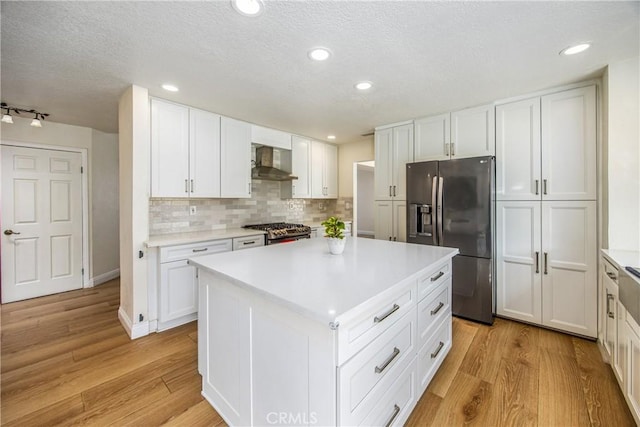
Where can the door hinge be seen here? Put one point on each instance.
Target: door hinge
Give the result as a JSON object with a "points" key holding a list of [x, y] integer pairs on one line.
{"points": [[83, 271], [81, 169]]}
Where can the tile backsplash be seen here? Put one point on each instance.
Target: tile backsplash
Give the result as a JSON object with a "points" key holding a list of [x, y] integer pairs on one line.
{"points": [[265, 205]]}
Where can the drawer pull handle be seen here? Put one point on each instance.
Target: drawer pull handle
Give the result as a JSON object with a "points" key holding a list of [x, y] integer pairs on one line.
{"points": [[435, 353], [610, 297], [396, 411], [249, 243], [395, 353], [200, 250], [612, 275], [437, 276], [437, 309], [379, 319]]}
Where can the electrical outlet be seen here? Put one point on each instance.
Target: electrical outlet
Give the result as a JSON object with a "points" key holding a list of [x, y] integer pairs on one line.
{"points": [[192, 210], [321, 206], [292, 205]]}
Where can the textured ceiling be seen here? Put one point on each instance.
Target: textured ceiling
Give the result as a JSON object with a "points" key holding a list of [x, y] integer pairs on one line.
{"points": [[74, 59]]}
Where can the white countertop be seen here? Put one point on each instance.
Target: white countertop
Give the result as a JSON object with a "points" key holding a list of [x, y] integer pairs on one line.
{"points": [[624, 259], [306, 277], [199, 236]]}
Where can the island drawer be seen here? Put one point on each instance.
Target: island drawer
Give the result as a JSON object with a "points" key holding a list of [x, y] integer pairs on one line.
{"points": [[432, 354], [248, 242], [395, 406], [386, 357], [358, 331], [432, 310], [180, 252], [434, 278]]}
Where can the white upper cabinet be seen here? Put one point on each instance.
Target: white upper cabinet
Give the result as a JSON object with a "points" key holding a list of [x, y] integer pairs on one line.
{"points": [[185, 151], [546, 147], [456, 135], [324, 170], [235, 154], [473, 132], [169, 149], [569, 145], [270, 137], [432, 138], [204, 154], [301, 167], [518, 150], [393, 150]]}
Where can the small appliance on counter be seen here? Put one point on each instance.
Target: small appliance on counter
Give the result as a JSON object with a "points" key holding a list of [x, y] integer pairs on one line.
{"points": [[451, 203], [282, 232]]}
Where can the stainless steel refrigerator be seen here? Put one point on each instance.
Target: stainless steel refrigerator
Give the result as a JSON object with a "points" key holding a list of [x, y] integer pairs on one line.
{"points": [[451, 203]]}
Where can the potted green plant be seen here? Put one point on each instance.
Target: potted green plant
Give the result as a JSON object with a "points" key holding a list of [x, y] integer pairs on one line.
{"points": [[333, 231]]}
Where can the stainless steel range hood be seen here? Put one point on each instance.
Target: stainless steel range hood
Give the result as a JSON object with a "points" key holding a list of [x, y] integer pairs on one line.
{"points": [[264, 167]]}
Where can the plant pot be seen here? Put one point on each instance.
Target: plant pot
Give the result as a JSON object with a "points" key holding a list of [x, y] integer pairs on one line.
{"points": [[336, 246]]}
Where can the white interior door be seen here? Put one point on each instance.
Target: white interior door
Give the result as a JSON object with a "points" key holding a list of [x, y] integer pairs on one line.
{"points": [[42, 222]]}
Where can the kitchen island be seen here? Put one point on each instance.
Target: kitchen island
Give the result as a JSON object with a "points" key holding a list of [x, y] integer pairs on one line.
{"points": [[291, 335]]}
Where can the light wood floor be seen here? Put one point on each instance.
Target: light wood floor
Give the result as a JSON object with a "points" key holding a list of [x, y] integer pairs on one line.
{"points": [[67, 361]]}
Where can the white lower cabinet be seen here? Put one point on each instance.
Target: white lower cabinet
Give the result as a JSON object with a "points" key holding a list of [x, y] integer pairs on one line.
{"points": [[178, 284], [546, 264], [263, 363], [632, 337]]}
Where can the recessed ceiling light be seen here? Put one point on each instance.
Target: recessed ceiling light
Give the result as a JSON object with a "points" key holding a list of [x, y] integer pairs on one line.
{"points": [[331, 137], [319, 53], [248, 7], [169, 87], [572, 50], [364, 85]]}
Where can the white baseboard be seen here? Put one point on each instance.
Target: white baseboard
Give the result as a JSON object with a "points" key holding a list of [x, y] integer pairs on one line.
{"points": [[136, 330], [105, 277]]}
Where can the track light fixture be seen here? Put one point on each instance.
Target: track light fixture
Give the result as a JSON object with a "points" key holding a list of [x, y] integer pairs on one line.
{"points": [[8, 118]]}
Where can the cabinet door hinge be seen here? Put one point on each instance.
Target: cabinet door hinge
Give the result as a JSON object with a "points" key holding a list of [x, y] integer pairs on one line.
{"points": [[81, 169], [82, 271]]}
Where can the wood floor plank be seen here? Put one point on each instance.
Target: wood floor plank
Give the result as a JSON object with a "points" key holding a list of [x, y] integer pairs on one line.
{"points": [[523, 347], [515, 396], [425, 411], [465, 403], [463, 334], [199, 415], [163, 410], [604, 398], [556, 342], [109, 366], [57, 414], [122, 404], [561, 400], [184, 376], [61, 345], [483, 358]]}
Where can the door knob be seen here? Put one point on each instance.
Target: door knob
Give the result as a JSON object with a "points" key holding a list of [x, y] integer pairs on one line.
{"points": [[10, 232]]}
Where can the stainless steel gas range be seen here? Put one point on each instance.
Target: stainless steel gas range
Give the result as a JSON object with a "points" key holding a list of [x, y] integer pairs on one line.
{"points": [[282, 232]]}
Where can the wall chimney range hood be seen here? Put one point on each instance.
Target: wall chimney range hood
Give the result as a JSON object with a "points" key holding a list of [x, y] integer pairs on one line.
{"points": [[264, 167]]}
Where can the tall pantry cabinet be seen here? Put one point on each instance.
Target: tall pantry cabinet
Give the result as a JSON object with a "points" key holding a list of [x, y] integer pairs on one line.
{"points": [[546, 210], [393, 150]]}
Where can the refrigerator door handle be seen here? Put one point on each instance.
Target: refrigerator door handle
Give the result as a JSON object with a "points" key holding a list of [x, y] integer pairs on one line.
{"points": [[440, 201], [434, 222]]}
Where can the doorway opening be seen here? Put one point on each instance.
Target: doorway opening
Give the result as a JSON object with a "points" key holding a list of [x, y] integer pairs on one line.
{"points": [[363, 199]]}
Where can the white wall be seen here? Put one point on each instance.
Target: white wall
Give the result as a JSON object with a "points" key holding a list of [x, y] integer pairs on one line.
{"points": [[134, 160], [623, 153], [348, 154], [104, 205], [63, 135], [365, 200]]}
